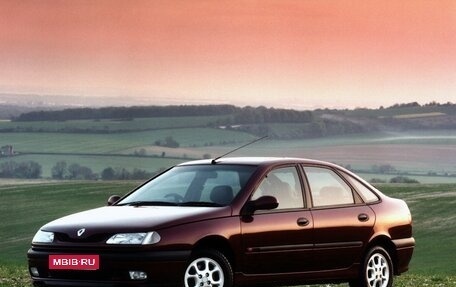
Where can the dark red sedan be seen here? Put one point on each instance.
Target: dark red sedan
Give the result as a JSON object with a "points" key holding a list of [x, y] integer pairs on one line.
{"points": [[232, 222]]}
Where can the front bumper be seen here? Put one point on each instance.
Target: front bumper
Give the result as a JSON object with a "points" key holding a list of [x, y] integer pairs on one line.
{"points": [[162, 269]]}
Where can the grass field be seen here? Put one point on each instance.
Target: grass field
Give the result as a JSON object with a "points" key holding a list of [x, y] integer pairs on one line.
{"points": [[414, 153], [417, 152], [13, 276], [99, 151], [25, 207], [112, 143], [108, 125]]}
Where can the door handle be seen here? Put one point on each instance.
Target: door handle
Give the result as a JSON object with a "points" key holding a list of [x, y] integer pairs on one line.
{"points": [[363, 217], [302, 221]]}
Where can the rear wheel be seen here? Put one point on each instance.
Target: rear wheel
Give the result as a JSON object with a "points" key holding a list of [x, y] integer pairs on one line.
{"points": [[377, 270], [208, 268]]}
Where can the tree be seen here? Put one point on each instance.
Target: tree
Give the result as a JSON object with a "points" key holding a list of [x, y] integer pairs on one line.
{"points": [[108, 174], [140, 174], [27, 169], [171, 142], [168, 142], [384, 168], [59, 170], [77, 171], [7, 169], [377, 180], [403, 179], [141, 152], [122, 173]]}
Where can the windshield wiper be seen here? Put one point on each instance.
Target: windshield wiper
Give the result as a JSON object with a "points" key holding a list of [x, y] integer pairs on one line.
{"points": [[148, 203], [200, 203]]}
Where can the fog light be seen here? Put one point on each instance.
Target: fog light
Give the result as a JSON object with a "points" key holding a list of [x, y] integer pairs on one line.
{"points": [[138, 275], [34, 271]]}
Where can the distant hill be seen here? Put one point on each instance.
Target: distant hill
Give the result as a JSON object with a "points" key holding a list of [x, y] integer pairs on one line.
{"points": [[11, 111], [408, 116]]}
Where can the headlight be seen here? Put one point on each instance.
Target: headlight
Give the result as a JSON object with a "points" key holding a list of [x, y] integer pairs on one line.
{"points": [[135, 238], [43, 237]]}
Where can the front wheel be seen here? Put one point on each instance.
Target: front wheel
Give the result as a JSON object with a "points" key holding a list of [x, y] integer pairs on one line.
{"points": [[208, 268], [377, 270]]}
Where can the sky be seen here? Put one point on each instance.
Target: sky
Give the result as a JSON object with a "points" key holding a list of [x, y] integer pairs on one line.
{"points": [[283, 53]]}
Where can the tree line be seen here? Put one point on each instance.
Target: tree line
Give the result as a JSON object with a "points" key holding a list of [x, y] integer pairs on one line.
{"points": [[74, 171], [26, 169], [62, 170], [126, 112], [236, 115]]}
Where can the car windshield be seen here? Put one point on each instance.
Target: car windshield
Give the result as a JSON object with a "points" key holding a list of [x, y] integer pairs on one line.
{"points": [[192, 185]]}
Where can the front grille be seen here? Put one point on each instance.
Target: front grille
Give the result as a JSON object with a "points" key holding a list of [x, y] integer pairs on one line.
{"points": [[96, 238]]}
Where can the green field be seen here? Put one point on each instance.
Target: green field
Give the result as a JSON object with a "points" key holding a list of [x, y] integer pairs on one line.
{"points": [[429, 155], [414, 153], [108, 125], [98, 151], [116, 142], [25, 207]]}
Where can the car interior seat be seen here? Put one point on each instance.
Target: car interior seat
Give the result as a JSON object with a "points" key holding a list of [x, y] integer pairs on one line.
{"points": [[222, 194]]}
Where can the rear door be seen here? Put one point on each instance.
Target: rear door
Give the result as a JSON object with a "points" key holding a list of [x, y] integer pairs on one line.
{"points": [[342, 222], [279, 240]]}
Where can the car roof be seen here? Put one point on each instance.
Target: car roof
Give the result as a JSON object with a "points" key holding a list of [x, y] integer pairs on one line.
{"points": [[258, 161]]}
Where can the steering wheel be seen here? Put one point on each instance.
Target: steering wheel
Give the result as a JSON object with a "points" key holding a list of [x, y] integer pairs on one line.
{"points": [[177, 197]]}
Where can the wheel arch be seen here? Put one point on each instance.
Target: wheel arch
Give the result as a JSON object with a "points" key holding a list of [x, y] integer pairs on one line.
{"points": [[218, 243], [386, 243]]}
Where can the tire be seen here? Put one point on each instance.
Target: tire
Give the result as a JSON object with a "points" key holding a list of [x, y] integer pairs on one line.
{"points": [[208, 268], [377, 269]]}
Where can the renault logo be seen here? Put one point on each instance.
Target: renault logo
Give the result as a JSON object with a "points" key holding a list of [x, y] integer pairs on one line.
{"points": [[81, 231]]}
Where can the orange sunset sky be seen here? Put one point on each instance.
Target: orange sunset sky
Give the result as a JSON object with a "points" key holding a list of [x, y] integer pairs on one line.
{"points": [[284, 53]]}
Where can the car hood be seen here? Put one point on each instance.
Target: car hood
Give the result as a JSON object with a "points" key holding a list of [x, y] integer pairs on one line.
{"points": [[114, 219]]}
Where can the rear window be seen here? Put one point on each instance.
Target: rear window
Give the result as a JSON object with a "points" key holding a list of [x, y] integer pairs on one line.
{"points": [[366, 194]]}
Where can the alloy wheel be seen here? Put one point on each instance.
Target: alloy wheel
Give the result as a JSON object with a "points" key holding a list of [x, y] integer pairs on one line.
{"points": [[377, 271], [204, 272]]}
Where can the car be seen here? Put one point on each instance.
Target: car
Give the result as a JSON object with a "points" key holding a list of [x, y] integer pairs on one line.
{"points": [[232, 221]]}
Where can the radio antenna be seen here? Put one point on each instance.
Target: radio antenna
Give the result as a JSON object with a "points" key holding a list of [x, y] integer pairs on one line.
{"points": [[214, 161]]}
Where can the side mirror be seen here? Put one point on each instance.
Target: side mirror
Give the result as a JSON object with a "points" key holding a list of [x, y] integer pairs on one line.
{"points": [[263, 203], [113, 199]]}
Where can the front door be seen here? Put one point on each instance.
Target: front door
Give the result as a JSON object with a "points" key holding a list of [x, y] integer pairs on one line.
{"points": [[279, 240]]}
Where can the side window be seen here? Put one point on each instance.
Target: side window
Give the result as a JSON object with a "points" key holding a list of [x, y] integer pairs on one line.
{"points": [[327, 188], [366, 194], [283, 184]]}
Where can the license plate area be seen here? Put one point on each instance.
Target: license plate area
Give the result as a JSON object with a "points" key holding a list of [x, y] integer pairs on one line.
{"points": [[74, 262]]}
